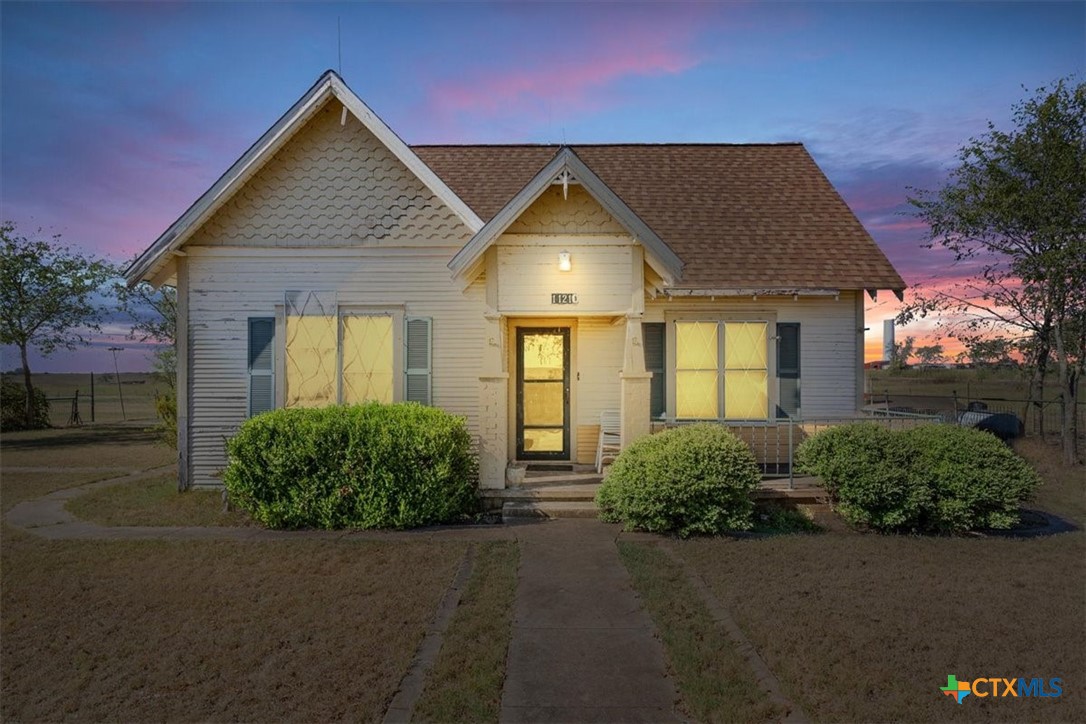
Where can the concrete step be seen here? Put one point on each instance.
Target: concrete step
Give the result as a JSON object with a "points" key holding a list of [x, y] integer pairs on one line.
{"points": [[572, 493], [522, 509], [534, 480]]}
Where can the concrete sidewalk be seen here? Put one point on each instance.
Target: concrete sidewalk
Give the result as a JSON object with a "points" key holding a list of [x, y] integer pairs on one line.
{"points": [[583, 648]]}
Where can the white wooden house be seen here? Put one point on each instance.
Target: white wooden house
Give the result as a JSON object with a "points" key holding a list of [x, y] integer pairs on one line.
{"points": [[528, 288]]}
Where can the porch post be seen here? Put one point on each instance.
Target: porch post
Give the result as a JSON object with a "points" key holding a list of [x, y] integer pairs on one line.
{"points": [[635, 384], [493, 405]]}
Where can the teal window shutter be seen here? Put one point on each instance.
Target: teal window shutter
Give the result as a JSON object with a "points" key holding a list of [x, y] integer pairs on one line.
{"points": [[418, 371], [261, 365], [788, 368], [653, 335]]}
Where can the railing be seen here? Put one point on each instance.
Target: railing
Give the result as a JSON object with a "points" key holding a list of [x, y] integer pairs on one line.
{"points": [[774, 442]]}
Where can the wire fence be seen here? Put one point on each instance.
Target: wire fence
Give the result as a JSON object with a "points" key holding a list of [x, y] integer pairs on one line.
{"points": [[1038, 417]]}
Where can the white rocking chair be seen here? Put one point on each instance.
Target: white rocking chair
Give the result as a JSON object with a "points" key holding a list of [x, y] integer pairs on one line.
{"points": [[610, 441]]}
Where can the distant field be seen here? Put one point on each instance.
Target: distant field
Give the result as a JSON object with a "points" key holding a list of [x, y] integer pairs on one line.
{"points": [[976, 384], [1004, 390], [138, 389]]}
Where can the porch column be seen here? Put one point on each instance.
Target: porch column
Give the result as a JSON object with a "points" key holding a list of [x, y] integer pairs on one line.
{"points": [[635, 384], [493, 405]]}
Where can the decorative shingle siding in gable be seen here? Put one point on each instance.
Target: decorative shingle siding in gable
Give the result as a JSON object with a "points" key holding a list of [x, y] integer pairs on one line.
{"points": [[333, 185], [577, 214]]}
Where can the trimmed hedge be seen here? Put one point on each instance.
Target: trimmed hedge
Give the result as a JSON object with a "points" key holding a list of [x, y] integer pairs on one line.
{"points": [[688, 480], [360, 466], [928, 479]]}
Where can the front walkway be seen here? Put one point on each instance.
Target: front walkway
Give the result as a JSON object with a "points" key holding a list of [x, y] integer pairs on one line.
{"points": [[583, 648]]}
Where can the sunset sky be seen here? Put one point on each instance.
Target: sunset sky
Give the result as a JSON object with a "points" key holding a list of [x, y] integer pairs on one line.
{"points": [[115, 117]]}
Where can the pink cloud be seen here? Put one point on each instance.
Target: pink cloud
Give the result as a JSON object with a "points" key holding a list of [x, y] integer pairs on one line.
{"points": [[580, 71]]}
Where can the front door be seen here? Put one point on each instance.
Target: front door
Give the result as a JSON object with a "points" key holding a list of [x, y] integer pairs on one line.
{"points": [[543, 393]]}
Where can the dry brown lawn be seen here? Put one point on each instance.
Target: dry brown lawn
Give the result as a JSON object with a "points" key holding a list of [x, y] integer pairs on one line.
{"points": [[120, 447], [867, 627], [155, 502], [15, 487], [303, 630], [465, 684]]}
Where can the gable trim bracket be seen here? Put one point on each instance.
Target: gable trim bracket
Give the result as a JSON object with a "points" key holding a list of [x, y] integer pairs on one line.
{"points": [[149, 264], [658, 254]]}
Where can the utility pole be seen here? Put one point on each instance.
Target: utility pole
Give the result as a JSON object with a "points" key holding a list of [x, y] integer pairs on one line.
{"points": [[117, 370]]}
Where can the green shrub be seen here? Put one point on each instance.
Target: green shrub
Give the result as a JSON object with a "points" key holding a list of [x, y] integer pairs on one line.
{"points": [[13, 407], [688, 480], [865, 469], [166, 409], [362, 466], [929, 479], [975, 480]]}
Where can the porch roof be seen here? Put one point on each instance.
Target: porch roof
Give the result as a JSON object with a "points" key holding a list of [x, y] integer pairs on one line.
{"points": [[758, 216]]}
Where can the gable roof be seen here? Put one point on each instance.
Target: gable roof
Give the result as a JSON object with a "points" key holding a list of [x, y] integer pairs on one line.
{"points": [[759, 216], [327, 87], [659, 255]]}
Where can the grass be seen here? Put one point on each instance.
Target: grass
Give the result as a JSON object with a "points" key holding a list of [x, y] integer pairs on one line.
{"points": [[16, 487], [154, 502], [867, 627], [1064, 491], [151, 631], [979, 383], [465, 684], [116, 447], [138, 389], [714, 681]]}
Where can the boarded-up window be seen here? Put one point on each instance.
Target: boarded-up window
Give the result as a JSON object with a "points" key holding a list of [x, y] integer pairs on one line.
{"points": [[261, 365], [788, 368], [311, 349], [418, 375], [721, 370], [696, 370], [367, 358], [746, 371], [653, 334]]}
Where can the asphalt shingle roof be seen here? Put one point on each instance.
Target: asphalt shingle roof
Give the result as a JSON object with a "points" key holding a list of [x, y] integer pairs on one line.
{"points": [[739, 216]]}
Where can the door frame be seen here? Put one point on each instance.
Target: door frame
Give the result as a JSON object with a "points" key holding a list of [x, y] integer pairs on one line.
{"points": [[566, 453]]}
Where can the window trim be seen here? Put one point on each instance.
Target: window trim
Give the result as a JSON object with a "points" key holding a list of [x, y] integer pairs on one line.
{"points": [[769, 318]]}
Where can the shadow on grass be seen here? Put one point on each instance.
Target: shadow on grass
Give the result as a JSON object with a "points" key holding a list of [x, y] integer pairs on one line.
{"points": [[54, 438]]}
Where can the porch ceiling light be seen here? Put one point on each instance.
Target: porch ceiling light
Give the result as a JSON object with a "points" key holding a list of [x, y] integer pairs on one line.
{"points": [[565, 263]]}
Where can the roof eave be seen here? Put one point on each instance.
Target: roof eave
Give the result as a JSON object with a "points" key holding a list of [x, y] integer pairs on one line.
{"points": [[329, 85]]}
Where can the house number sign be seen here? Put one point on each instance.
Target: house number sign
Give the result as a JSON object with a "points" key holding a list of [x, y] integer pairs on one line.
{"points": [[563, 298]]}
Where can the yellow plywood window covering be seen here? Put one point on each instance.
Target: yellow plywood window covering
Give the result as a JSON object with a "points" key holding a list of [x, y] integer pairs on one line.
{"points": [[311, 361], [367, 359], [696, 370], [746, 371]]}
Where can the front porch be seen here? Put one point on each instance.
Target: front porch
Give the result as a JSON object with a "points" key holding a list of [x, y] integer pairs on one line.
{"points": [[547, 492]]}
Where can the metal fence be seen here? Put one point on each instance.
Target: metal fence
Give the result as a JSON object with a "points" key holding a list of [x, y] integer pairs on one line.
{"points": [[774, 442], [1039, 417]]}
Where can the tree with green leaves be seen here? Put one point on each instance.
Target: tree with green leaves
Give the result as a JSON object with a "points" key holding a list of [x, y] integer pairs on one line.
{"points": [[988, 351], [930, 354], [49, 297], [154, 317], [1014, 209], [902, 352]]}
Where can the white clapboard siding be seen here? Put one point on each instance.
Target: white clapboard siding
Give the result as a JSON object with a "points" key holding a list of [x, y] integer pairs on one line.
{"points": [[226, 288], [829, 341], [529, 275], [600, 349]]}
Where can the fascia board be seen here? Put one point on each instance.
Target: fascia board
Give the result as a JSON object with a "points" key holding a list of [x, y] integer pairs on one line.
{"points": [[146, 263]]}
